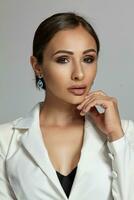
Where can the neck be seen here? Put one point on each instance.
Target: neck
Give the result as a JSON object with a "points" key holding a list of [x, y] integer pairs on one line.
{"points": [[59, 113]]}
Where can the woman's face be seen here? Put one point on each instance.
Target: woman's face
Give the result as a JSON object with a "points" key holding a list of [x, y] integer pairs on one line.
{"points": [[77, 66]]}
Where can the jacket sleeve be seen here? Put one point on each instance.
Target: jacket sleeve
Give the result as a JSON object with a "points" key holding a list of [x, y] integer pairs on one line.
{"points": [[122, 159], [5, 190]]}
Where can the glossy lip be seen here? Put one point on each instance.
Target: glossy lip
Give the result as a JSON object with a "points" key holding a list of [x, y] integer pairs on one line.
{"points": [[78, 86], [77, 91]]}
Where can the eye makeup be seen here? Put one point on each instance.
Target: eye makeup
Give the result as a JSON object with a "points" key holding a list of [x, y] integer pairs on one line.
{"points": [[65, 59]]}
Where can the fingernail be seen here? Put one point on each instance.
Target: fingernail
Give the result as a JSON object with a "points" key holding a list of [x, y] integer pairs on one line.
{"points": [[82, 113], [78, 107]]}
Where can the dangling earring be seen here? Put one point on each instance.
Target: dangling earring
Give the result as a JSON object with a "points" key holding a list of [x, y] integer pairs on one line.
{"points": [[40, 82]]}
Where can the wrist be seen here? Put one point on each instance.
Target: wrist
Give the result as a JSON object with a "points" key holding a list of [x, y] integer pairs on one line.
{"points": [[115, 135]]}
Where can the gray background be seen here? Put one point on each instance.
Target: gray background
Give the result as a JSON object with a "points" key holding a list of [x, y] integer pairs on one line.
{"points": [[112, 20]]}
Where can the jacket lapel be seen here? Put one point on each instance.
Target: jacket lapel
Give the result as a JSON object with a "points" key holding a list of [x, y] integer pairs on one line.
{"points": [[93, 144], [32, 141]]}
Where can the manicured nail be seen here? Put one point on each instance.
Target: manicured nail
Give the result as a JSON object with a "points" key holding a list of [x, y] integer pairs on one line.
{"points": [[82, 113], [78, 107]]}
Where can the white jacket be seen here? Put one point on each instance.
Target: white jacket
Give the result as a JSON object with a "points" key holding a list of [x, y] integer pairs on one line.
{"points": [[105, 170]]}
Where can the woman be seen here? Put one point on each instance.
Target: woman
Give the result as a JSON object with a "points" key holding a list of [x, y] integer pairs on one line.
{"points": [[65, 148]]}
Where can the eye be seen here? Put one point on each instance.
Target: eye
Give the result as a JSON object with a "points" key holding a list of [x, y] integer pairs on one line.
{"points": [[88, 59], [62, 60]]}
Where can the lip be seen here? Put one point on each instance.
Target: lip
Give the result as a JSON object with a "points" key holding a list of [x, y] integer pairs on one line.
{"points": [[78, 86], [77, 91]]}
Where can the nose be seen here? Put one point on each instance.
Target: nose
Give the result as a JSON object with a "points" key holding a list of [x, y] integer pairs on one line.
{"points": [[78, 72]]}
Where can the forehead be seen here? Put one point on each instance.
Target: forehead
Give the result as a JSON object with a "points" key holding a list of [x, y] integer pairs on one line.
{"points": [[76, 39]]}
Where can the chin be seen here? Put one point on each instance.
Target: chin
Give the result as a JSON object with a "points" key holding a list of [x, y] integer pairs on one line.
{"points": [[77, 99]]}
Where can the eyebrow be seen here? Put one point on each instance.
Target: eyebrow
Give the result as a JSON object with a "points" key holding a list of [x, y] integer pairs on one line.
{"points": [[71, 53]]}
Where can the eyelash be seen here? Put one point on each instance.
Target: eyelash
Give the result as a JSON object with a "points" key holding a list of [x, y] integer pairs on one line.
{"points": [[61, 59]]}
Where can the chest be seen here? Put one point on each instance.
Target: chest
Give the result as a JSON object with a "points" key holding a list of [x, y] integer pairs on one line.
{"points": [[94, 174], [63, 146], [32, 177]]}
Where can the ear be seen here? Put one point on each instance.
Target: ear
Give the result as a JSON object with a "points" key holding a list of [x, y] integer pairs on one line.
{"points": [[35, 65]]}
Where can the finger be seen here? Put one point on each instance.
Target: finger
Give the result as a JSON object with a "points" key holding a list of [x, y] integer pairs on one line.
{"points": [[89, 99], [96, 102], [99, 92], [95, 94], [93, 112], [93, 98], [80, 106], [88, 95]]}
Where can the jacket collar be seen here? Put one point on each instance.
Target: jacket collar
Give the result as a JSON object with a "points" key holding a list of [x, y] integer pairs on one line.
{"points": [[26, 121], [92, 134], [93, 141]]}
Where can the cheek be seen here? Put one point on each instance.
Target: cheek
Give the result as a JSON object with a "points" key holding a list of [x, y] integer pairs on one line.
{"points": [[55, 78], [91, 73], [57, 82]]}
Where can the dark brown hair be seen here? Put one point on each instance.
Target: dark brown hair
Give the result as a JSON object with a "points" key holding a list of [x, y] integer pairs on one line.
{"points": [[51, 25]]}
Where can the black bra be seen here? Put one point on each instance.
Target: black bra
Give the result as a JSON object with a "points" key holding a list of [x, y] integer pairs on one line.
{"points": [[67, 181]]}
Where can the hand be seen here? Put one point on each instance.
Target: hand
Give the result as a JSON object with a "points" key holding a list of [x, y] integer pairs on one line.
{"points": [[109, 121]]}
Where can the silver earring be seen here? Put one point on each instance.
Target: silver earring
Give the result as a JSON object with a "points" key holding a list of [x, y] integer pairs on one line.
{"points": [[40, 82]]}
